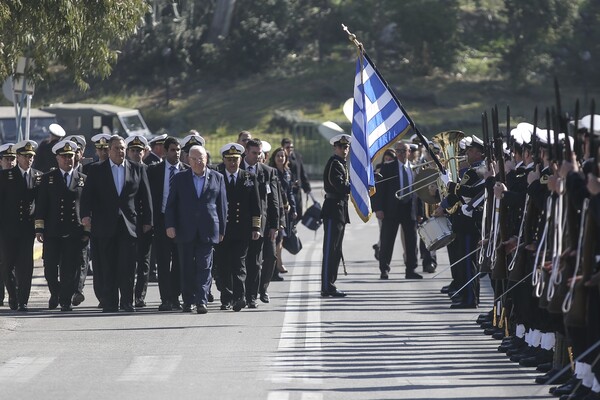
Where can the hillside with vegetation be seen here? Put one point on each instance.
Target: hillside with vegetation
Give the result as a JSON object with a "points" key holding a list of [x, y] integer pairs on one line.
{"points": [[270, 65]]}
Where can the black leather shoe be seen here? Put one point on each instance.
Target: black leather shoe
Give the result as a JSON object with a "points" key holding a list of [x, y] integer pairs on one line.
{"points": [[165, 306], [12, 303], [565, 388], [23, 307], [484, 317], [210, 298], [543, 356], [499, 334], [462, 305], [226, 306], [78, 298], [239, 304], [252, 304], [201, 309], [264, 297], [277, 278], [53, 302], [110, 309], [384, 275], [66, 307], [186, 307], [578, 394], [412, 275], [127, 307], [376, 249], [561, 379], [139, 303], [526, 353], [544, 367], [487, 325], [430, 269], [176, 305], [445, 289]]}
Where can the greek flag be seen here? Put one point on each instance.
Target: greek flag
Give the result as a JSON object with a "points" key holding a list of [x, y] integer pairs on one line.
{"points": [[378, 122]]}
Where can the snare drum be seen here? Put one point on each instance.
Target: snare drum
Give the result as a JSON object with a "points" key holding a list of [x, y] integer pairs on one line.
{"points": [[436, 233]]}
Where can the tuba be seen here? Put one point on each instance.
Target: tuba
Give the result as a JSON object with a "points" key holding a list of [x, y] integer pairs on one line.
{"points": [[449, 145]]}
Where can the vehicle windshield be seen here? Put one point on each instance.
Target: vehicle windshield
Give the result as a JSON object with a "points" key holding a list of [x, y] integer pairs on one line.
{"points": [[134, 124], [38, 129]]}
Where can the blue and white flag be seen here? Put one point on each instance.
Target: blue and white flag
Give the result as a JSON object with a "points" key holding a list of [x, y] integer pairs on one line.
{"points": [[378, 122]]}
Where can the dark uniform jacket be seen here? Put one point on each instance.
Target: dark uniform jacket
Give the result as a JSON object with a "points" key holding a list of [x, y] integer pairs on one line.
{"points": [[152, 159], [101, 201], [337, 189], [17, 202], [243, 208], [269, 197], [57, 206], [45, 159], [470, 188], [156, 178]]}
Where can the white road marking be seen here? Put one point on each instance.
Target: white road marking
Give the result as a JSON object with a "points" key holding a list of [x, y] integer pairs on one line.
{"points": [[311, 396], [278, 396], [22, 369], [150, 368]]}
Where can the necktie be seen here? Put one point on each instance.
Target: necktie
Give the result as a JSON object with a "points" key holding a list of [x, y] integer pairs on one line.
{"points": [[66, 178], [251, 169], [171, 175], [26, 180], [232, 179], [405, 182]]}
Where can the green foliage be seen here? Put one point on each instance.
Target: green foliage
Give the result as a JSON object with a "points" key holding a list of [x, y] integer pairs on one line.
{"points": [[82, 35]]}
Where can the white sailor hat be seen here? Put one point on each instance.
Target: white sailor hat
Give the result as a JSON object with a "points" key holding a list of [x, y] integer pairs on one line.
{"points": [[26, 147], [232, 150], [464, 142], [101, 140], [7, 149], [542, 136], [192, 140], [57, 130], [79, 139], [64, 147], [413, 146], [586, 122], [266, 146], [475, 142], [160, 139], [136, 141], [341, 139]]}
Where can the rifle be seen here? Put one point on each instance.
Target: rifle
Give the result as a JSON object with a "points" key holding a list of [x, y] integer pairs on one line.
{"points": [[499, 229], [576, 137], [486, 223], [535, 145], [548, 137]]}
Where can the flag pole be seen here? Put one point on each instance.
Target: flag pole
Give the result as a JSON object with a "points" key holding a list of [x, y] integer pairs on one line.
{"points": [[361, 49]]}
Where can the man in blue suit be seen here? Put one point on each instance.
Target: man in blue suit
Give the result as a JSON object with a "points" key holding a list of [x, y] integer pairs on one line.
{"points": [[195, 217]]}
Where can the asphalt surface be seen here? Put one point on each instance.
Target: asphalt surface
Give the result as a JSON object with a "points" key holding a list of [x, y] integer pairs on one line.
{"points": [[394, 339]]}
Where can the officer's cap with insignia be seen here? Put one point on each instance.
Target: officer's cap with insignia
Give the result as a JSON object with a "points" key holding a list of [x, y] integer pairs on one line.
{"points": [[475, 142], [160, 139], [79, 139], [231, 150], [136, 141], [266, 146], [413, 147], [57, 130], [64, 147], [7, 150], [586, 123], [101, 140], [26, 147], [341, 140], [192, 140]]}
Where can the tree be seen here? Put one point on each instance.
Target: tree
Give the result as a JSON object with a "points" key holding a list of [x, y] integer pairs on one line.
{"points": [[81, 35]]}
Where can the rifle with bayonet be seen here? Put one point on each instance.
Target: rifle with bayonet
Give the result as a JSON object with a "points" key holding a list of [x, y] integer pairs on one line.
{"points": [[499, 230]]}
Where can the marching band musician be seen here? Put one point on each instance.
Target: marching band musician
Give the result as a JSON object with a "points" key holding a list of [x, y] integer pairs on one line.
{"points": [[335, 213], [466, 224]]}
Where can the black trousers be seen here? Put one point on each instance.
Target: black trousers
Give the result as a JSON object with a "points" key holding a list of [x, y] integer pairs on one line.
{"points": [[144, 246], [167, 262], [467, 268], [332, 252], [269, 262], [429, 257], [2, 291], [98, 272], [387, 237], [63, 256], [454, 254], [253, 268], [231, 265], [117, 255], [18, 265]]}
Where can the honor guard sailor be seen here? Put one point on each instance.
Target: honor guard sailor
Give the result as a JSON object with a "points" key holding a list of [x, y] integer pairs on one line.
{"points": [[335, 213]]}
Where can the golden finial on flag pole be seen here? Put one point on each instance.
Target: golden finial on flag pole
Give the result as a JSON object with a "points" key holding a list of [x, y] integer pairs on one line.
{"points": [[352, 37]]}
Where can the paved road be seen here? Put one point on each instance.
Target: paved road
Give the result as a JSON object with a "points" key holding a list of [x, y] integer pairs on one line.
{"points": [[393, 339]]}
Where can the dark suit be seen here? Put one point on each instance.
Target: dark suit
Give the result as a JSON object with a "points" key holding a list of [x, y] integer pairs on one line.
{"points": [[17, 204], [395, 213], [243, 217], [98, 282], [261, 253], [167, 258], [114, 222], [57, 218], [335, 217], [198, 221], [299, 180]]}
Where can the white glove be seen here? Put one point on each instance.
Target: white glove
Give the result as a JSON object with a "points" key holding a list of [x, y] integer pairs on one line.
{"points": [[444, 177]]}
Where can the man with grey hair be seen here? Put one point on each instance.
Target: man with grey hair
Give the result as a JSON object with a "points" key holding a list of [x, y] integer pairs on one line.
{"points": [[195, 217]]}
